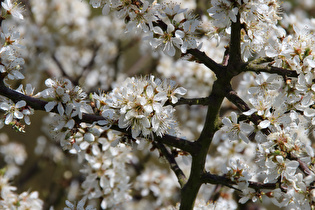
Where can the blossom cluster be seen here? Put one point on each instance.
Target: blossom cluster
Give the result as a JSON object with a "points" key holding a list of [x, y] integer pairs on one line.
{"points": [[15, 112], [11, 200], [11, 60], [106, 171], [69, 101], [177, 29], [256, 16], [159, 183], [282, 138], [285, 111], [140, 104], [170, 27]]}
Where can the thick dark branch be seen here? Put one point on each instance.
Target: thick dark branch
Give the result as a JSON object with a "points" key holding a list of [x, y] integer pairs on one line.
{"points": [[180, 143], [191, 188], [173, 164], [260, 185], [268, 69], [237, 101], [204, 59], [215, 179], [193, 101], [235, 46], [15, 96], [222, 180]]}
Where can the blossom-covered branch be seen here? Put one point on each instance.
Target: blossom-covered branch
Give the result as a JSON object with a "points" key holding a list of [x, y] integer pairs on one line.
{"points": [[38, 104], [269, 138]]}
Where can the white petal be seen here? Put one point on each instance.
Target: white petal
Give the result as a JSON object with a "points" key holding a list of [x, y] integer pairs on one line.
{"points": [[18, 114], [246, 127], [70, 124], [8, 118], [309, 112], [5, 106], [161, 96], [20, 104], [50, 105], [158, 30], [279, 159], [226, 121], [243, 137], [250, 112], [180, 91], [49, 82], [60, 109], [89, 137], [179, 34], [234, 117], [264, 124], [149, 91]]}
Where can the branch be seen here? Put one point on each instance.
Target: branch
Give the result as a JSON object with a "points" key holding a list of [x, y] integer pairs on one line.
{"points": [[303, 166], [251, 66], [222, 180], [88, 66], [61, 68], [191, 188], [173, 164], [193, 101], [204, 59], [15, 96], [242, 106], [185, 145], [235, 45], [237, 101], [262, 60], [215, 179], [172, 141], [38, 104]]}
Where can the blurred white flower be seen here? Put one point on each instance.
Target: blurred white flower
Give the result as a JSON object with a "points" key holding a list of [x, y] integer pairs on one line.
{"points": [[236, 130], [13, 8]]}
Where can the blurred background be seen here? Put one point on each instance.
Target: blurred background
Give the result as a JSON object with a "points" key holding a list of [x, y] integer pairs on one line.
{"points": [[70, 39]]}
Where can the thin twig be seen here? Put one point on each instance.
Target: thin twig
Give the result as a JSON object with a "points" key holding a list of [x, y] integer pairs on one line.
{"points": [[193, 101], [268, 69], [173, 164], [222, 180]]}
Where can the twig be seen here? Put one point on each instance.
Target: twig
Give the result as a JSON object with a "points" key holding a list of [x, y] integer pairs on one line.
{"points": [[192, 101], [204, 59], [222, 180], [173, 164], [268, 69], [61, 68]]}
